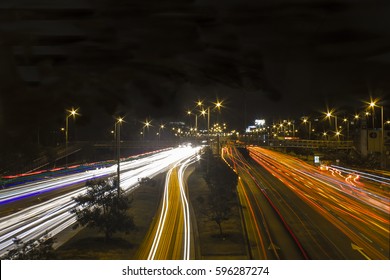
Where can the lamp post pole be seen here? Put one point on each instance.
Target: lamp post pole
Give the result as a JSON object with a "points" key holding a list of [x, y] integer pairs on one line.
{"points": [[66, 141], [196, 124], [73, 113], [208, 125], [309, 122], [118, 151], [383, 159]]}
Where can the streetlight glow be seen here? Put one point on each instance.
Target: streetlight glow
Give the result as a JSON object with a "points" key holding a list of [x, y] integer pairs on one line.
{"points": [[72, 113], [372, 104], [118, 124]]}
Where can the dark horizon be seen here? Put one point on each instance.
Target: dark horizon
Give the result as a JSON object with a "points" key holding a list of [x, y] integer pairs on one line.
{"points": [[270, 59]]}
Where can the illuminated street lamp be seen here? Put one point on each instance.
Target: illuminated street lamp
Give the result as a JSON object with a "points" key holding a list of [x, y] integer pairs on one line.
{"points": [[293, 125], [216, 105], [306, 120], [329, 115], [118, 124], [189, 113], [72, 113], [372, 105], [147, 124], [347, 122], [159, 130]]}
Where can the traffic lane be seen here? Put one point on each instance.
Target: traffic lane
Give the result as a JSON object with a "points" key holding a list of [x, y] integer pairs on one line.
{"points": [[341, 206], [339, 221], [279, 243], [320, 238]]}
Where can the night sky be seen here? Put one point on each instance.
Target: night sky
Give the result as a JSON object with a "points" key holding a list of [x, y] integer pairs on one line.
{"points": [[273, 59]]}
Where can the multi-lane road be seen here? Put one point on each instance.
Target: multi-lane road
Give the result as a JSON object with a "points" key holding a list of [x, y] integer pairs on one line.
{"points": [[170, 236], [290, 209], [52, 215], [328, 213]]}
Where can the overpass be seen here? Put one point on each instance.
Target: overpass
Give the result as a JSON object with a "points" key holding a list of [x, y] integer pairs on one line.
{"points": [[311, 144], [136, 144]]}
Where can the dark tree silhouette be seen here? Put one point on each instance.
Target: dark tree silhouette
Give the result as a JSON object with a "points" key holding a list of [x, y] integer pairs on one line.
{"points": [[34, 249], [102, 208], [222, 182]]}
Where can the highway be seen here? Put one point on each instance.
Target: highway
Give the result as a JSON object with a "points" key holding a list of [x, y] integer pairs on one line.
{"points": [[269, 236], [52, 215], [333, 215], [170, 236]]}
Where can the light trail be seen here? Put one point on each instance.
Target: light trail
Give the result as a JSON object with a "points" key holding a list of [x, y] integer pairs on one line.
{"points": [[33, 189], [53, 216], [254, 196], [168, 242], [361, 212], [368, 176]]}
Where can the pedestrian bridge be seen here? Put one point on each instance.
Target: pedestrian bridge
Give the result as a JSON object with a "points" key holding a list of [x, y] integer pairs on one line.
{"points": [[312, 144]]}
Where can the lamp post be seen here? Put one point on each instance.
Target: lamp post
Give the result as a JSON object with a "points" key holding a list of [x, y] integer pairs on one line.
{"points": [[373, 104], [146, 124], [159, 131], [72, 112], [347, 121], [217, 105], [329, 115], [196, 120], [305, 120], [118, 151], [292, 123]]}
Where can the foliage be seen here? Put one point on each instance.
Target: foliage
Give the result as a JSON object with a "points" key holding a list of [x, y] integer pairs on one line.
{"points": [[101, 207], [222, 182], [34, 249]]}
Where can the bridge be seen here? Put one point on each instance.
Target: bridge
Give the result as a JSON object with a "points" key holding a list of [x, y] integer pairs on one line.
{"points": [[136, 144], [312, 144]]}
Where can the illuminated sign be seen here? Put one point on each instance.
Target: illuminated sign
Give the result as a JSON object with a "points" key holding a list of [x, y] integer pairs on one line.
{"points": [[259, 122]]}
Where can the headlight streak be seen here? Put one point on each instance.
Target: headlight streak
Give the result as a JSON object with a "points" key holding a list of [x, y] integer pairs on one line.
{"points": [[357, 221], [368, 176], [240, 162], [162, 219], [53, 216], [165, 210], [191, 157], [36, 188], [186, 208]]}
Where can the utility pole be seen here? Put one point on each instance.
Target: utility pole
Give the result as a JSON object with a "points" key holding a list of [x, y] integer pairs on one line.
{"points": [[118, 151]]}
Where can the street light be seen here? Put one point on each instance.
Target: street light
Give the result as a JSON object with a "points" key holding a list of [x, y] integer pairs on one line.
{"points": [[329, 115], [293, 125], [347, 121], [72, 113], [118, 151], [159, 130], [305, 120], [373, 104], [147, 124], [189, 113]]}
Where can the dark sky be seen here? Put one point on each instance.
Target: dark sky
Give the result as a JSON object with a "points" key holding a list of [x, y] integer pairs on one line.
{"points": [[155, 58]]}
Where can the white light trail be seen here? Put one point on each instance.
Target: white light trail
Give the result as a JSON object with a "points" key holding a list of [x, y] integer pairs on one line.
{"points": [[53, 216], [185, 207]]}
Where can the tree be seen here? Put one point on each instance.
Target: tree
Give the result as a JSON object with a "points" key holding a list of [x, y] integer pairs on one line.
{"points": [[101, 207], [34, 249], [222, 182]]}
